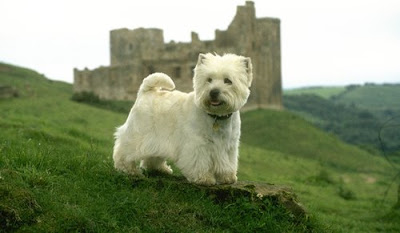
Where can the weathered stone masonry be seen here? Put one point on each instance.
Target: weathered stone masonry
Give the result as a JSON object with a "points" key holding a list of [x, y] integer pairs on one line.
{"points": [[139, 52]]}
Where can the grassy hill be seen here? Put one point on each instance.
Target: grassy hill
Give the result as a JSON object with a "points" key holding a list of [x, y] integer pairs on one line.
{"points": [[56, 173]]}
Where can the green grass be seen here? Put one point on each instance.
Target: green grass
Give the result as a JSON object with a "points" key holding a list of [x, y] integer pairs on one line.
{"points": [[56, 174], [324, 92]]}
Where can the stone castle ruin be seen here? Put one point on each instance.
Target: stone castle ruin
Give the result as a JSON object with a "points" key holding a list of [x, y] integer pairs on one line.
{"points": [[140, 52]]}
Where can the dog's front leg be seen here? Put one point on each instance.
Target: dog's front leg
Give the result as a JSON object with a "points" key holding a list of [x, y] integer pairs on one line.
{"points": [[196, 165], [226, 167]]}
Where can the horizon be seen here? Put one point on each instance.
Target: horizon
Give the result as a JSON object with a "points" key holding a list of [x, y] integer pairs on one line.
{"points": [[283, 88]]}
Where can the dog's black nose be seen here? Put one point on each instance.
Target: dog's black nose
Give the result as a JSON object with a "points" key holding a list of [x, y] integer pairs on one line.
{"points": [[214, 93]]}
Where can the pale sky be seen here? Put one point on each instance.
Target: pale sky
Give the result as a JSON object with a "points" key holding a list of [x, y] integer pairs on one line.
{"points": [[335, 42]]}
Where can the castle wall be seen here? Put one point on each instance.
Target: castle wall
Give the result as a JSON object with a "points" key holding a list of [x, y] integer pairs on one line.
{"points": [[181, 71], [114, 82]]}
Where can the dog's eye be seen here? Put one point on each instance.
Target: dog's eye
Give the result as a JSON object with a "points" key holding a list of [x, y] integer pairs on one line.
{"points": [[209, 80], [227, 81]]}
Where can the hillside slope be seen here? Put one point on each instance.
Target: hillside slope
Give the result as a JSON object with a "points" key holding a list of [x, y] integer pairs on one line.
{"points": [[289, 134], [56, 173], [339, 182]]}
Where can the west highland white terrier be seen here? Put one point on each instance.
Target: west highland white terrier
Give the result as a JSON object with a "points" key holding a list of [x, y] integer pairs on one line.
{"points": [[199, 131]]}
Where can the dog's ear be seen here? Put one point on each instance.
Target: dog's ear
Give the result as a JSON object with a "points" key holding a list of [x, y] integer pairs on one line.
{"points": [[249, 69], [201, 59]]}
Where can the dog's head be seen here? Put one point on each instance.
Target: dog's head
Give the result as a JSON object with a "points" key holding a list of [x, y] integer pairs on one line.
{"points": [[221, 83]]}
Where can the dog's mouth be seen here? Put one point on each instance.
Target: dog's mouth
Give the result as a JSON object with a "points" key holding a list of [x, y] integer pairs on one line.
{"points": [[216, 103]]}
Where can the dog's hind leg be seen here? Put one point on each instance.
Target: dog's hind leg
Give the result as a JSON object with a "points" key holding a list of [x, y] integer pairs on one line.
{"points": [[127, 166], [125, 162], [156, 164]]}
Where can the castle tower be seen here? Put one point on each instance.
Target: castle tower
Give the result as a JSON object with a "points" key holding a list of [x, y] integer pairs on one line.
{"points": [[258, 39], [126, 46]]}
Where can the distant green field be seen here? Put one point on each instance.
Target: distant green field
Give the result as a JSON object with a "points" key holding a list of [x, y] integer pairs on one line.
{"points": [[372, 97], [56, 174], [325, 92], [358, 114]]}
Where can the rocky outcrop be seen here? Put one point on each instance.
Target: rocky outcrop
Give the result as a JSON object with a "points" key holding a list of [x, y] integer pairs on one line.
{"points": [[261, 194], [259, 191]]}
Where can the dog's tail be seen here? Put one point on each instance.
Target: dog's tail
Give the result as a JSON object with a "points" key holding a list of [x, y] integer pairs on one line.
{"points": [[157, 82]]}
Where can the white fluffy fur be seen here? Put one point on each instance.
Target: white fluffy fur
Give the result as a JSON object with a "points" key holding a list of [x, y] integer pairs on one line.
{"points": [[169, 124]]}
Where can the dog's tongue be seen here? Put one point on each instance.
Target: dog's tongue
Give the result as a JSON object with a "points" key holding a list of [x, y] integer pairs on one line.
{"points": [[215, 102]]}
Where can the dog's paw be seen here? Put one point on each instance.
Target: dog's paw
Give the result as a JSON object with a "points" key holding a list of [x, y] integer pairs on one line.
{"points": [[156, 165], [227, 178], [166, 169], [206, 180], [132, 171], [129, 168]]}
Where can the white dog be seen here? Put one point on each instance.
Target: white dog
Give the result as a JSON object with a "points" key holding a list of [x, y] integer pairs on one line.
{"points": [[199, 131]]}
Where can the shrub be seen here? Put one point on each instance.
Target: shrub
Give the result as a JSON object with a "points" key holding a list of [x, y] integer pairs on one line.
{"points": [[86, 97], [94, 100]]}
